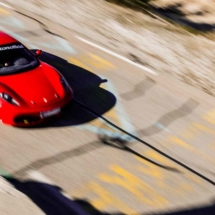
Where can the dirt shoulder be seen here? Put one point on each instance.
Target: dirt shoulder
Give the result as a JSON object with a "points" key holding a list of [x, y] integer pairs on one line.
{"points": [[146, 39]]}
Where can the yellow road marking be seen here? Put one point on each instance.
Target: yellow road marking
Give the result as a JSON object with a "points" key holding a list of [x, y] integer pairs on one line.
{"points": [[136, 186], [150, 169], [103, 199], [95, 62], [79, 63], [195, 129], [175, 140], [160, 176], [157, 157], [210, 117], [100, 63], [4, 12], [91, 61]]}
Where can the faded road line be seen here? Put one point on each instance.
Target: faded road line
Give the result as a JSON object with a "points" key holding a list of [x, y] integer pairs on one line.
{"points": [[37, 176], [5, 5], [116, 55]]}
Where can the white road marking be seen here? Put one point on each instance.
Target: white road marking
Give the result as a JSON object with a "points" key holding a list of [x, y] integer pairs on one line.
{"points": [[37, 176], [116, 55], [5, 5]]}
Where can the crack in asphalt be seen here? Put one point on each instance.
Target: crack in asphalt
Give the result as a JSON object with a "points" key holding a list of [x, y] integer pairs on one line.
{"points": [[42, 25]]}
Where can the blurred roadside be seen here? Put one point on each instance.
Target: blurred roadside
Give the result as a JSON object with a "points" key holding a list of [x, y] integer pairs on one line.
{"points": [[194, 13], [148, 40]]}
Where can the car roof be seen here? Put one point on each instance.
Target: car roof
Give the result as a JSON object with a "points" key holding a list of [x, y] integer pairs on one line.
{"points": [[6, 39]]}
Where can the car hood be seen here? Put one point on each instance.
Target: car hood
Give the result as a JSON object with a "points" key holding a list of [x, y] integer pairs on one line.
{"points": [[38, 87]]}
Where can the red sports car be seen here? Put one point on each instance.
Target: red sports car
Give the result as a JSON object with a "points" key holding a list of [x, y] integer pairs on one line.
{"points": [[30, 90]]}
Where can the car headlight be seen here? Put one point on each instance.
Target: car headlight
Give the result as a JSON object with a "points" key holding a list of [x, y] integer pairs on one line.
{"points": [[9, 99], [64, 83]]}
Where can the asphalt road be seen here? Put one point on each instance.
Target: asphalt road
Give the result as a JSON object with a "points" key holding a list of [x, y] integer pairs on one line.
{"points": [[82, 161]]}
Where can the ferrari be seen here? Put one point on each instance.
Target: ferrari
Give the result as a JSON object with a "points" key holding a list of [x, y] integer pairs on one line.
{"points": [[30, 90]]}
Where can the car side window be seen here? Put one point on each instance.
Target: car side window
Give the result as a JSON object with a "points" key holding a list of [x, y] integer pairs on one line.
{"points": [[15, 57]]}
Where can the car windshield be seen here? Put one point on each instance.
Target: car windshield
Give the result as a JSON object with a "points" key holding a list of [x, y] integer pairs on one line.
{"points": [[15, 58]]}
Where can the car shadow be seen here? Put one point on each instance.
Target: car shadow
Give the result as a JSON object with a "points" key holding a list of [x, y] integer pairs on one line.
{"points": [[87, 90], [208, 209], [51, 200]]}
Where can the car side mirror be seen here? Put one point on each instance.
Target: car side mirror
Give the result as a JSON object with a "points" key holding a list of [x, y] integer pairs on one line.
{"points": [[38, 53]]}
